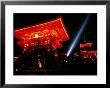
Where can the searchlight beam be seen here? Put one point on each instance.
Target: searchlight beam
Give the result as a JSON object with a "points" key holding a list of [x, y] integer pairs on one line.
{"points": [[78, 36]]}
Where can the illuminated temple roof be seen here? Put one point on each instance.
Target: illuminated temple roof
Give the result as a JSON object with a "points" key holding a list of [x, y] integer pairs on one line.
{"points": [[48, 32]]}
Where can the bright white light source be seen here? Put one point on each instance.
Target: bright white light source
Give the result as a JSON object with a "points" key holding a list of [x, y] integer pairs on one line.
{"points": [[36, 36]]}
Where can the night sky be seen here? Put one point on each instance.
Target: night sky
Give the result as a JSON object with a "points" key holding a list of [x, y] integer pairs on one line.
{"points": [[72, 23]]}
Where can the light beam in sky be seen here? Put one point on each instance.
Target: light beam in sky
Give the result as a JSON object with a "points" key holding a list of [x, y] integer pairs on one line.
{"points": [[78, 36]]}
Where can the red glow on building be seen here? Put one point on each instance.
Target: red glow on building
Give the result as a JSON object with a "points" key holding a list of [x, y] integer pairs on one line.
{"points": [[52, 32], [89, 54], [86, 45]]}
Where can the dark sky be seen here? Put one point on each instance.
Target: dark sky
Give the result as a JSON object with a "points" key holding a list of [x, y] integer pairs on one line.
{"points": [[72, 22]]}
